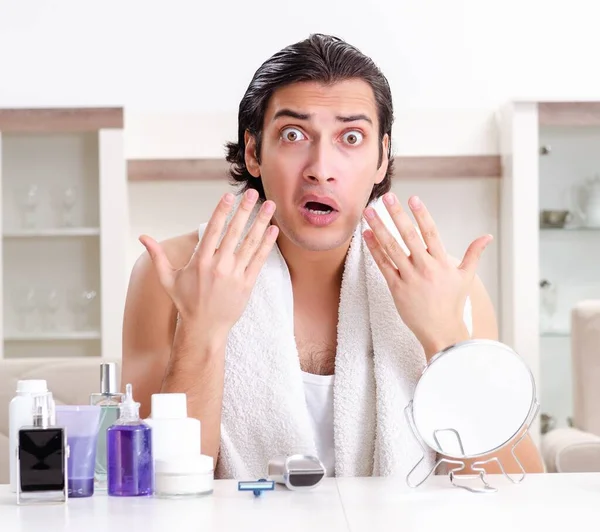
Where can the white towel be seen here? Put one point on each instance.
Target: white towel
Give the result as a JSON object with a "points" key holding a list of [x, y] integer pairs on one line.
{"points": [[378, 363]]}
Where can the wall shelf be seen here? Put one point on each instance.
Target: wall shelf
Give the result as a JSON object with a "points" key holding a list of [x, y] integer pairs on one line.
{"points": [[51, 233], [52, 336], [555, 334], [406, 167], [60, 120], [582, 229]]}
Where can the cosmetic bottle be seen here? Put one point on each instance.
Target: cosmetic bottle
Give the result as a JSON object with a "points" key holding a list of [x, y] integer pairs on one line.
{"points": [[173, 432], [20, 414], [130, 466], [180, 470], [42, 454], [81, 424], [108, 399], [184, 476]]}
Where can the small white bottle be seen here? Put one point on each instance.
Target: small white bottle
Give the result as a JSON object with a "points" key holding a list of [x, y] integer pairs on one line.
{"points": [[173, 433], [20, 414]]}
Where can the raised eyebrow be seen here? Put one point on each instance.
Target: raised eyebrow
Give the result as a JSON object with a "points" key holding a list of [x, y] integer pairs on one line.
{"points": [[291, 114], [306, 116], [354, 118]]}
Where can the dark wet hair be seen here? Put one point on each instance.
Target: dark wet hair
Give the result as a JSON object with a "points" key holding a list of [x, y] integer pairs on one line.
{"points": [[321, 58]]}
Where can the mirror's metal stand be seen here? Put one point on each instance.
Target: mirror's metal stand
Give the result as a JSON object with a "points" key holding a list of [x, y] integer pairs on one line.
{"points": [[460, 464]]}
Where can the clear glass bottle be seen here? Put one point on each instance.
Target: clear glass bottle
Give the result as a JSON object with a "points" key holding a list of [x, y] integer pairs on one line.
{"points": [[129, 452], [109, 401]]}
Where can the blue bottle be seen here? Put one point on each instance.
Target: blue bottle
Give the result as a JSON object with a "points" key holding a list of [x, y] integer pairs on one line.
{"points": [[130, 471]]}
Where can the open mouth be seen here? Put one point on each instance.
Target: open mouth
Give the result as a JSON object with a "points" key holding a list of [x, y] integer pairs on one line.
{"points": [[317, 207]]}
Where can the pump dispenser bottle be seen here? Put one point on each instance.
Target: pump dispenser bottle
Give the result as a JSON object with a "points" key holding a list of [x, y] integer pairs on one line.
{"points": [[129, 452], [109, 401]]}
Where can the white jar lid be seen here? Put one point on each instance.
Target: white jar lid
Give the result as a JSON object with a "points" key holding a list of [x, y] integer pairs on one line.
{"points": [[168, 406], [178, 465]]}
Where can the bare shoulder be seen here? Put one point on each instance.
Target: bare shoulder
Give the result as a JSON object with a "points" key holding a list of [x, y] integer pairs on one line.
{"points": [[149, 320], [178, 250]]}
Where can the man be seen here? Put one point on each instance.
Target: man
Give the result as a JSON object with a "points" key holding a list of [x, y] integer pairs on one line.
{"points": [[313, 152]]}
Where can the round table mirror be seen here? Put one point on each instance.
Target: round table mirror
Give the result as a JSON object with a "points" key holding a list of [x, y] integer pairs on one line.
{"points": [[473, 399]]}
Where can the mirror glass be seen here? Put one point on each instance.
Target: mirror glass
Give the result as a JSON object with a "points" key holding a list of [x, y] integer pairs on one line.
{"points": [[473, 398]]}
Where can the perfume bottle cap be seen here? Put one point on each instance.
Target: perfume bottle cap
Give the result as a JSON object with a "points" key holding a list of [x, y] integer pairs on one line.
{"points": [[129, 409], [169, 406], [108, 378], [43, 410], [32, 386]]}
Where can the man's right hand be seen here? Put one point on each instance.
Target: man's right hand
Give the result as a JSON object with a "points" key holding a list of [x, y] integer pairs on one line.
{"points": [[213, 288]]}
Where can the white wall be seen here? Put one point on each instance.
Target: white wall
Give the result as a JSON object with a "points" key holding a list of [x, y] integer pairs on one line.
{"points": [[199, 55], [451, 64]]}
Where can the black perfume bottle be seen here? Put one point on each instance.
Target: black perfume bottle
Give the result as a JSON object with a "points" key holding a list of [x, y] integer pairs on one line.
{"points": [[42, 457]]}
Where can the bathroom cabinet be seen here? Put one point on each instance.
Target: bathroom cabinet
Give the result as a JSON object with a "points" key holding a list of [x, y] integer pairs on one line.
{"points": [[64, 225], [550, 235]]}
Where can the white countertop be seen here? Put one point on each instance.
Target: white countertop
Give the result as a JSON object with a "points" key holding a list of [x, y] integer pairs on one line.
{"points": [[566, 502]]}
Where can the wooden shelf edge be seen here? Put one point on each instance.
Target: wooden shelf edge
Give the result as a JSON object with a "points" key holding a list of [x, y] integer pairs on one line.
{"points": [[406, 167], [569, 113], [51, 233], [207, 169], [57, 337], [452, 166], [60, 120]]}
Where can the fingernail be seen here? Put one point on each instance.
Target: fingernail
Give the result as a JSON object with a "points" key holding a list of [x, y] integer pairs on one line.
{"points": [[228, 198], [415, 202], [269, 207], [369, 214], [389, 199], [251, 194]]}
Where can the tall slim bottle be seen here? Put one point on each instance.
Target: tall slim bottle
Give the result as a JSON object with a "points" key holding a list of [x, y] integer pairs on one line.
{"points": [[129, 452], [109, 401], [20, 414]]}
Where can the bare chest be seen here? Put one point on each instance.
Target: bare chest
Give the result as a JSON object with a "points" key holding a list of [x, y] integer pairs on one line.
{"points": [[316, 340]]}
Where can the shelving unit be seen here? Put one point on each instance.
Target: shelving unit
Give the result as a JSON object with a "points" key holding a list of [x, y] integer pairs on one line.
{"points": [[548, 149], [64, 223]]}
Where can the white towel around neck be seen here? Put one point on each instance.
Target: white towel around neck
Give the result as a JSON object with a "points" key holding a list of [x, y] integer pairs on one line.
{"points": [[378, 363]]}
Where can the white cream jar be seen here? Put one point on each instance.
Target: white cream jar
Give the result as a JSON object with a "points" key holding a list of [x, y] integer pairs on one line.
{"points": [[179, 477]]}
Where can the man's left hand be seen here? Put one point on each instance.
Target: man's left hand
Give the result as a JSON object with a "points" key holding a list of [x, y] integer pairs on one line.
{"points": [[428, 288]]}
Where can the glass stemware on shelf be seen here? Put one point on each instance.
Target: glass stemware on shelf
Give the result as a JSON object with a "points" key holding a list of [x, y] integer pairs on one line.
{"points": [[28, 202], [43, 311], [81, 302], [50, 305], [25, 304], [69, 199], [548, 300]]}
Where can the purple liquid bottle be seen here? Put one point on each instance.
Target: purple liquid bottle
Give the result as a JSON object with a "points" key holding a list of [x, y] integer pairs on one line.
{"points": [[130, 469]]}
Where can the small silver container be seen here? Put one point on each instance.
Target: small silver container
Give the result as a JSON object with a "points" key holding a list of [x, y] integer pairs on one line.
{"points": [[297, 471]]}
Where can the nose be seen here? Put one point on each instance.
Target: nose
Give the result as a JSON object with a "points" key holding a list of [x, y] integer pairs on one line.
{"points": [[320, 167]]}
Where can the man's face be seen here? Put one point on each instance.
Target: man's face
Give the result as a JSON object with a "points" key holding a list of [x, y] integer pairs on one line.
{"points": [[319, 158]]}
